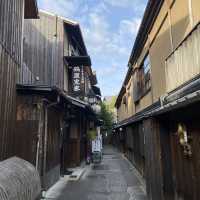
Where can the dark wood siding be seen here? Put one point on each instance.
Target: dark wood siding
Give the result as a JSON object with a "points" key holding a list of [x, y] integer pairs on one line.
{"points": [[37, 136], [30, 127], [11, 19], [153, 165], [135, 146], [43, 51], [186, 170], [26, 148], [53, 143]]}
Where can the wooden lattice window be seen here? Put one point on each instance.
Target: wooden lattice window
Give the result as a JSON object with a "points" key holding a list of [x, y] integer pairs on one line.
{"points": [[142, 79]]}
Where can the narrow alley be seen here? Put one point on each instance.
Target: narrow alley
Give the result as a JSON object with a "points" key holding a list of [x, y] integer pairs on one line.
{"points": [[114, 179], [99, 100]]}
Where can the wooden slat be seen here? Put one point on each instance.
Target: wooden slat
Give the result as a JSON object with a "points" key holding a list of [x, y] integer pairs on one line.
{"points": [[11, 19], [43, 51]]}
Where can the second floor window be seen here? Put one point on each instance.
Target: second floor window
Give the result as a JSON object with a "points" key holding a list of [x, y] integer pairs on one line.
{"points": [[146, 64], [142, 83], [147, 74]]}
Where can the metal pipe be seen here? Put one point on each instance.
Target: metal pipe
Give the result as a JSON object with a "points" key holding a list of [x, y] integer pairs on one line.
{"points": [[191, 87]]}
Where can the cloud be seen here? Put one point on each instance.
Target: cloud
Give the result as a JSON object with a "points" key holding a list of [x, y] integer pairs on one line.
{"points": [[130, 26], [110, 49], [61, 7], [136, 5], [101, 40], [117, 3]]}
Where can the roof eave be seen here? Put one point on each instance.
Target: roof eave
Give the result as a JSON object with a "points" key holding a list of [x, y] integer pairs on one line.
{"points": [[77, 29], [150, 14]]}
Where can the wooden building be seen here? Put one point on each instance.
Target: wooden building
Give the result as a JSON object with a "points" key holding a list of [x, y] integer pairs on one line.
{"points": [[158, 102], [12, 14], [52, 99]]}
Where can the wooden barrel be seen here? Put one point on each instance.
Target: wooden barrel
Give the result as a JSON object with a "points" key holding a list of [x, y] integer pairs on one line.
{"points": [[19, 180]]}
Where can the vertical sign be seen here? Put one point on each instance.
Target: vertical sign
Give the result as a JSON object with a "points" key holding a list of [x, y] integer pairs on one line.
{"points": [[78, 80]]}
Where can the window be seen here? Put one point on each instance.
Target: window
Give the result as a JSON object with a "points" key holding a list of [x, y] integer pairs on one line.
{"points": [[142, 79], [147, 74], [146, 64], [125, 102]]}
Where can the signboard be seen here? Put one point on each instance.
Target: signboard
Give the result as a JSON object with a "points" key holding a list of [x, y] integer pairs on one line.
{"points": [[78, 80], [97, 144]]}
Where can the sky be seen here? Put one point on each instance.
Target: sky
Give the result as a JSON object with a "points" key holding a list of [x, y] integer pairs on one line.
{"points": [[109, 29]]}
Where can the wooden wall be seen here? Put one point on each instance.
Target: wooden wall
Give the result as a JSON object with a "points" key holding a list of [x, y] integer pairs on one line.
{"points": [[186, 174], [134, 143], [52, 146], [76, 145], [43, 51], [54, 128], [153, 167], [37, 136], [73, 143], [11, 19], [28, 128], [185, 168]]}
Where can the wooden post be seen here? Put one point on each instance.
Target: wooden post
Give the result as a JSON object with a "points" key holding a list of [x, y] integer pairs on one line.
{"points": [[39, 137], [45, 139]]}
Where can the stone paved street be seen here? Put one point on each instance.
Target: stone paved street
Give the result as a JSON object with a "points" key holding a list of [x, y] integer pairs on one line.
{"points": [[114, 179]]}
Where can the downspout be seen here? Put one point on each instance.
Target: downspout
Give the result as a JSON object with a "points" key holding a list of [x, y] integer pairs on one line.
{"points": [[45, 140]]}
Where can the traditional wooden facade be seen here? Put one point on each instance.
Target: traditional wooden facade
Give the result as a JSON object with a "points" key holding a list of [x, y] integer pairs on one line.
{"points": [[164, 77], [39, 126], [52, 100], [12, 14]]}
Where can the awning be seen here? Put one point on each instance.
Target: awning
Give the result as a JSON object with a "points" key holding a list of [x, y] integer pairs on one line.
{"points": [[80, 104], [158, 109], [138, 116], [78, 60], [74, 101], [96, 90], [177, 104]]}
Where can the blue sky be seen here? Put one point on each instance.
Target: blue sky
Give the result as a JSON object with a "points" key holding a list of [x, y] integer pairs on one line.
{"points": [[109, 28]]}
